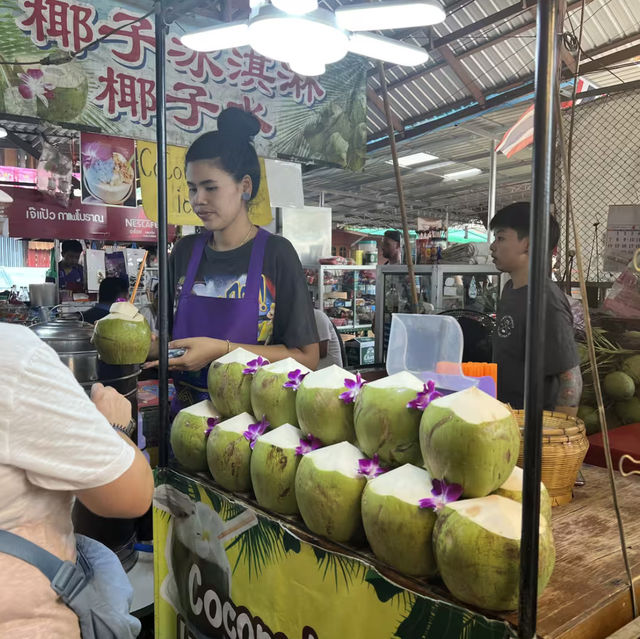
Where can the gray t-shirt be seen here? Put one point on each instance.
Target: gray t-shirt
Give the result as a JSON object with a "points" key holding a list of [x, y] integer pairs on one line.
{"points": [[560, 352]]}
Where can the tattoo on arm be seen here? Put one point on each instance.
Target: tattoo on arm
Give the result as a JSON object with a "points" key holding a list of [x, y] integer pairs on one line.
{"points": [[570, 388]]}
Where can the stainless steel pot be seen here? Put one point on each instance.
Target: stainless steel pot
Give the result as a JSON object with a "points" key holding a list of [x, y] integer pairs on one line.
{"points": [[66, 335]]}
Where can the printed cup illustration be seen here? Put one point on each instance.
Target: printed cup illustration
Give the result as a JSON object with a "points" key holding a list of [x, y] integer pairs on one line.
{"points": [[111, 179]]}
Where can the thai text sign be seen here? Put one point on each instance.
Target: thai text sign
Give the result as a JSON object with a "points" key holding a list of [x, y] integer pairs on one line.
{"points": [[111, 85]]}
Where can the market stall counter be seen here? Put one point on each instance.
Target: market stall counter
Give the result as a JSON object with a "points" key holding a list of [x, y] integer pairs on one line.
{"points": [[225, 567]]}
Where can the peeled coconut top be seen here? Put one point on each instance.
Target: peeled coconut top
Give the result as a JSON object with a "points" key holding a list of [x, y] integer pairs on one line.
{"points": [[237, 424], [514, 481], [236, 356], [473, 406], [496, 514], [124, 311], [407, 483], [341, 458], [330, 377], [202, 409], [285, 436], [285, 366], [403, 379]]}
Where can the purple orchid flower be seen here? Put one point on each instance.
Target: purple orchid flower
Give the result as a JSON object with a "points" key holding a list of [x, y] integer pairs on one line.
{"points": [[254, 365], [443, 494], [370, 468], [33, 86], [353, 388], [307, 444], [295, 379], [425, 396], [255, 430], [212, 422]]}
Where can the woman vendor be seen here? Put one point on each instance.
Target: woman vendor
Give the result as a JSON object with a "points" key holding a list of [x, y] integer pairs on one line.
{"points": [[234, 284]]}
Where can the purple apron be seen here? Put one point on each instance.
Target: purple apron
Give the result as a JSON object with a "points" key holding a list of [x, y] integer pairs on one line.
{"points": [[235, 319]]}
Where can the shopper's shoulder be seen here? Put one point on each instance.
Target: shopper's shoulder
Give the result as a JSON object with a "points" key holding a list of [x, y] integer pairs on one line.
{"points": [[556, 294], [20, 338]]}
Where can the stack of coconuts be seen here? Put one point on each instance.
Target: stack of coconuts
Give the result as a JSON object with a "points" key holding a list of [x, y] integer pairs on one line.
{"points": [[429, 481]]}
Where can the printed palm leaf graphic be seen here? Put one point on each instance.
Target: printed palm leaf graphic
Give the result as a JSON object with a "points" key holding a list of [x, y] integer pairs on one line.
{"points": [[344, 570], [387, 591]]}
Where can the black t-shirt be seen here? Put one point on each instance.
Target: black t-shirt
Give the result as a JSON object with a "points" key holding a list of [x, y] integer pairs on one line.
{"points": [[290, 321], [560, 352]]}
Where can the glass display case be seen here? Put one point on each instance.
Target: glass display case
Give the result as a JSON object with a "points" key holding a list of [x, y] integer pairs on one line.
{"points": [[440, 287], [347, 294]]}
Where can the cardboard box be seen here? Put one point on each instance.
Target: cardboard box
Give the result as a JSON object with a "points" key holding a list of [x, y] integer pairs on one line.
{"points": [[360, 351]]}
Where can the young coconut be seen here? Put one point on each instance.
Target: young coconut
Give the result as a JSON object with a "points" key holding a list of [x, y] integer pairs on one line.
{"points": [[189, 435], [229, 382], [469, 438], [512, 489], [274, 463], [122, 337], [320, 409], [273, 391], [329, 489], [397, 529], [476, 543], [229, 453], [383, 423]]}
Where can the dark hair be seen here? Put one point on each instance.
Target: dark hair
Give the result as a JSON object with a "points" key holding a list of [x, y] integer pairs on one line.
{"points": [[111, 288], [231, 145], [71, 246], [393, 235], [516, 216]]}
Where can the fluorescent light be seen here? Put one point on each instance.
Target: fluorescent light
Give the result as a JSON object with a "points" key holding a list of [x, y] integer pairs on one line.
{"points": [[227, 35], [461, 175], [387, 50], [307, 67], [3, 132], [296, 7], [389, 15], [414, 158]]}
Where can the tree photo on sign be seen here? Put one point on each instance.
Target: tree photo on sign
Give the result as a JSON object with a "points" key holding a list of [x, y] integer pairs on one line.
{"points": [[111, 85]]}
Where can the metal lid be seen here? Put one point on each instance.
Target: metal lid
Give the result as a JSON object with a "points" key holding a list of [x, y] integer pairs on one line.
{"points": [[66, 334]]}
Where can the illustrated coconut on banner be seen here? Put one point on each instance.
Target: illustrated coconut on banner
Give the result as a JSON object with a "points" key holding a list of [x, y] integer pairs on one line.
{"points": [[123, 336], [476, 543], [189, 433], [273, 391], [321, 408], [229, 453], [329, 490], [469, 438], [274, 463], [229, 381], [384, 425], [512, 489], [398, 530]]}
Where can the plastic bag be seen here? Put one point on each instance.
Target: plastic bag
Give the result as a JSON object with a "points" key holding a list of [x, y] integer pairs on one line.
{"points": [[623, 298]]}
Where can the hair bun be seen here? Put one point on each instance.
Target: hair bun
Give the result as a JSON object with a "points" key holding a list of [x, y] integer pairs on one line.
{"points": [[236, 124]]}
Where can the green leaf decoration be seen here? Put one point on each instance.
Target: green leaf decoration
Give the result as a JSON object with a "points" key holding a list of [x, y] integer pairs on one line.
{"points": [[290, 543], [385, 590]]}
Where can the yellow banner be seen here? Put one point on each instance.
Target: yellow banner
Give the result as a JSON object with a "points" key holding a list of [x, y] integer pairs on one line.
{"points": [[223, 570], [179, 208]]}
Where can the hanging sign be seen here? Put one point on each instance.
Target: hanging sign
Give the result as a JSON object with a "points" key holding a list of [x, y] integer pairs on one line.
{"points": [[32, 214], [111, 85], [224, 570]]}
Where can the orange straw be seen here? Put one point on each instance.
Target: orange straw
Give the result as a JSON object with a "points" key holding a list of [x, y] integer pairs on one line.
{"points": [[135, 288]]}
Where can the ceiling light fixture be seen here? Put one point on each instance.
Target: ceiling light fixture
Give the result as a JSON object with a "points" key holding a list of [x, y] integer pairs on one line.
{"points": [[461, 175], [414, 158], [3, 132], [308, 38], [389, 15]]}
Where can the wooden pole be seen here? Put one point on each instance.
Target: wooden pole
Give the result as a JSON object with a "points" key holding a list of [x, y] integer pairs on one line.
{"points": [[398, 176]]}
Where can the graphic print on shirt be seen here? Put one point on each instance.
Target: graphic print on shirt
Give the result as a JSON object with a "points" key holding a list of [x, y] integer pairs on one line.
{"points": [[506, 326], [233, 287]]}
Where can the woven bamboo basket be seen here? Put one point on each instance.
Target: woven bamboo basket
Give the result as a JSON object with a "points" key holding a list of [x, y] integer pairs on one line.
{"points": [[564, 446]]}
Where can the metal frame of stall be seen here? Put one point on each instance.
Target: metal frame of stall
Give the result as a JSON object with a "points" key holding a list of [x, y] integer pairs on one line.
{"points": [[547, 46]]}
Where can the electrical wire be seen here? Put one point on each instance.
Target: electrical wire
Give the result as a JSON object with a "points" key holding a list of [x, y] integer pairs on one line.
{"points": [[62, 57]]}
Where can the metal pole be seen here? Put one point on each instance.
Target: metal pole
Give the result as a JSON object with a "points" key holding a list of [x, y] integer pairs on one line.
{"points": [[396, 170], [493, 182], [543, 133], [163, 258]]}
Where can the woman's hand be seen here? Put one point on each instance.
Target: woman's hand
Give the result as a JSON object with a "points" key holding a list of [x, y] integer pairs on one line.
{"points": [[200, 351], [114, 406]]}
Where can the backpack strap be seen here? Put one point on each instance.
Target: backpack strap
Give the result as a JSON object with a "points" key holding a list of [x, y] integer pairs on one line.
{"points": [[66, 578]]}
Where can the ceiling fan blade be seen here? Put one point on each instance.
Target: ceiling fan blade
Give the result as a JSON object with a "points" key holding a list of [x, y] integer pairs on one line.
{"points": [[389, 14], [226, 35], [387, 49]]}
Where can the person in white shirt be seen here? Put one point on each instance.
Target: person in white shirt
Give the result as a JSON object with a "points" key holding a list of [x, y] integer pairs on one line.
{"points": [[329, 344], [56, 444]]}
